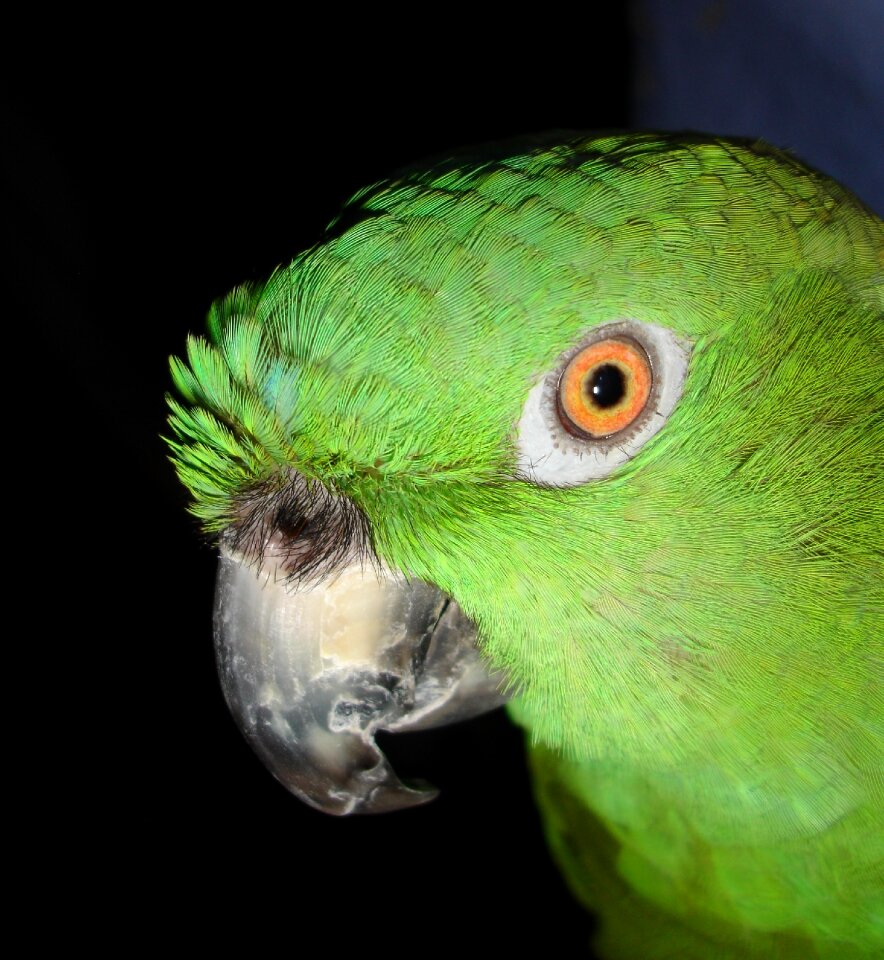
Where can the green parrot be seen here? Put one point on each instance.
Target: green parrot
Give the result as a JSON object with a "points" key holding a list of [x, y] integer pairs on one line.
{"points": [[594, 424]]}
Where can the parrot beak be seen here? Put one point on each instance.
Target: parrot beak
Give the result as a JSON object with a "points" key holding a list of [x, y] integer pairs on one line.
{"points": [[311, 672]]}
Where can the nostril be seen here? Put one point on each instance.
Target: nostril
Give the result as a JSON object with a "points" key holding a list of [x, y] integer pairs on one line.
{"points": [[303, 530], [292, 523]]}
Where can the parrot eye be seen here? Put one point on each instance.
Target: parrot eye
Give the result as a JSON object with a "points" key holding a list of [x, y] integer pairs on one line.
{"points": [[604, 388], [606, 397]]}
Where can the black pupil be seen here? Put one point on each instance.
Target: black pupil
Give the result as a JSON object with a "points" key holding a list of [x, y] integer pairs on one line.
{"points": [[606, 385]]}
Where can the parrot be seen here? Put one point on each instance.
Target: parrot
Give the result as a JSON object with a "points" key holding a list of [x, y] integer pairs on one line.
{"points": [[590, 424]]}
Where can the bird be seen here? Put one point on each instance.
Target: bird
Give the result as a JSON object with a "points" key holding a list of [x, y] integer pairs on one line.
{"points": [[591, 423]]}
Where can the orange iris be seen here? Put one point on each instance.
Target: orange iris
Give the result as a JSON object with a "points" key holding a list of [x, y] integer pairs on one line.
{"points": [[604, 388]]}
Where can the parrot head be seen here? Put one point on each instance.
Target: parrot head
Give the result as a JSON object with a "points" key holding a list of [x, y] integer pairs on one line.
{"points": [[591, 423]]}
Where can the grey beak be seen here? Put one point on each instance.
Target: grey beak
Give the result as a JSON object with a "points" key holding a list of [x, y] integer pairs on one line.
{"points": [[310, 673]]}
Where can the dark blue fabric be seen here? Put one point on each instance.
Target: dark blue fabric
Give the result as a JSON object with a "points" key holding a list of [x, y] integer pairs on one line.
{"points": [[807, 75]]}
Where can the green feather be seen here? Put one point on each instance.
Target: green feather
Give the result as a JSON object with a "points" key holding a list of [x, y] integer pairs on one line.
{"points": [[697, 636]]}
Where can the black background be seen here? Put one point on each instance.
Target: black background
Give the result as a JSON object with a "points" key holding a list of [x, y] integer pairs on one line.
{"points": [[133, 201]]}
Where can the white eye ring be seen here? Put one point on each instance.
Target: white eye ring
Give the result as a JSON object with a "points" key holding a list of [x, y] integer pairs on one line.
{"points": [[549, 455]]}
